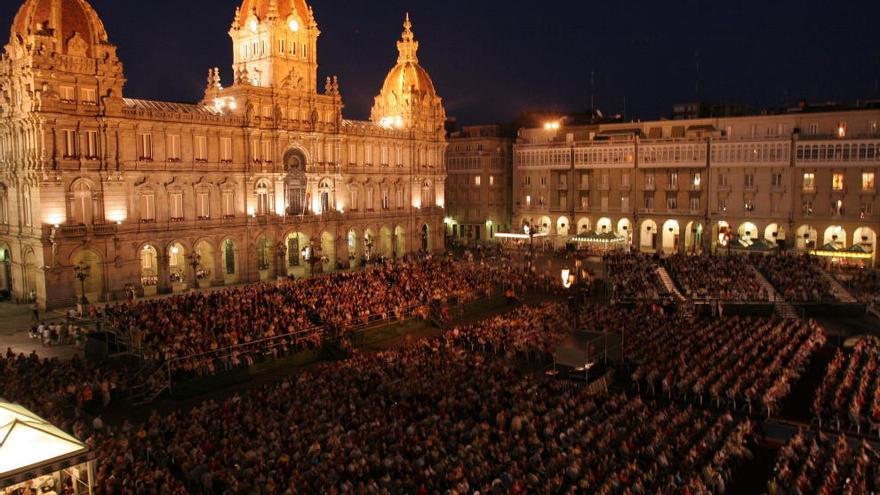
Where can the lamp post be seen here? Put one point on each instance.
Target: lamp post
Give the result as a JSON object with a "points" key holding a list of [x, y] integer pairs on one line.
{"points": [[195, 260], [81, 270]]}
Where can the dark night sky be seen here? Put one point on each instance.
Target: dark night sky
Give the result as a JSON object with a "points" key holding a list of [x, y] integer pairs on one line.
{"points": [[491, 60]]}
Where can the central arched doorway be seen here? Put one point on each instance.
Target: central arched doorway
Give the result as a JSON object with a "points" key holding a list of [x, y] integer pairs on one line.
{"points": [[385, 248], [354, 249], [295, 260]]}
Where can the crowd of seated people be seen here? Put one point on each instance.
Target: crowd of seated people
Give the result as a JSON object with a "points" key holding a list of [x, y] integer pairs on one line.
{"points": [[727, 278], [60, 390], [432, 417], [849, 396], [633, 276], [797, 278], [737, 361], [807, 464], [861, 283], [530, 332], [275, 318]]}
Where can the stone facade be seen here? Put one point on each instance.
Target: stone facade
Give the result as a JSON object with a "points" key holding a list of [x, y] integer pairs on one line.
{"points": [[263, 178], [807, 179]]}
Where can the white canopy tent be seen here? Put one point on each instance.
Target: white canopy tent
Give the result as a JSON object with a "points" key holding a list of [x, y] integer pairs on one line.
{"points": [[32, 449]]}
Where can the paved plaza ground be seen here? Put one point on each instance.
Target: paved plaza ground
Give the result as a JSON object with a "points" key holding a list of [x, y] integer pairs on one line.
{"points": [[15, 322]]}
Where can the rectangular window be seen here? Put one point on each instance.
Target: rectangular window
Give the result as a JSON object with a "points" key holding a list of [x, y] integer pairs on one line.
{"points": [[200, 152], [673, 179], [671, 203], [697, 180], [88, 96], [585, 202], [749, 180], [814, 129], [176, 206], [868, 181], [695, 203], [369, 154], [776, 179], [267, 151], [543, 180], [203, 204], [624, 202], [477, 180], [649, 180], [809, 181], [68, 94], [722, 180], [491, 180], [384, 156], [722, 204], [69, 143], [145, 147], [226, 150], [624, 180], [837, 182], [91, 145], [867, 209], [173, 148], [353, 206], [649, 202], [528, 201], [148, 207], [228, 204], [352, 154], [255, 150]]}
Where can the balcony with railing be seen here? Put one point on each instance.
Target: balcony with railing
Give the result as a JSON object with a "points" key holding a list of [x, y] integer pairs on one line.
{"points": [[675, 153], [767, 152]]}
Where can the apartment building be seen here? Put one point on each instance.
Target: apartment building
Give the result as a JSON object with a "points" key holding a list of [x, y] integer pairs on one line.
{"points": [[800, 179], [479, 162]]}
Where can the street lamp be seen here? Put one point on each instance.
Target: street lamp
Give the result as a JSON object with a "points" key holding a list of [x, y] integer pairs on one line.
{"points": [[195, 260], [81, 270]]}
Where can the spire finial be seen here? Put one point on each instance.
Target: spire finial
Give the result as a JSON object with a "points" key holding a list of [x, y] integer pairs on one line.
{"points": [[407, 46], [407, 29]]}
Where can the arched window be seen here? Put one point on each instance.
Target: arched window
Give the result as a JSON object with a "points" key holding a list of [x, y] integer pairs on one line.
{"points": [[264, 205], [82, 208]]}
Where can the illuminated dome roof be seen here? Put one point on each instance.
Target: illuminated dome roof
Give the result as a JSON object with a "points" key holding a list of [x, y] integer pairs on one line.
{"points": [[74, 23], [279, 8], [408, 96], [408, 76]]}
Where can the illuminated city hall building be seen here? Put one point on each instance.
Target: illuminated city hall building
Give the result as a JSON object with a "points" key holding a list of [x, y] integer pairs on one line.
{"points": [[262, 178], [805, 180]]}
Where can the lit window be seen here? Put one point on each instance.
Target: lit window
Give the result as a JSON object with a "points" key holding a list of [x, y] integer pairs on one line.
{"points": [[867, 181], [841, 130], [477, 180], [203, 203], [176, 206], [837, 182], [491, 180], [809, 181], [750, 180], [528, 201]]}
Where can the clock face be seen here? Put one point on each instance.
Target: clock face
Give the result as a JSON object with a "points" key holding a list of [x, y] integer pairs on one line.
{"points": [[253, 25], [293, 25]]}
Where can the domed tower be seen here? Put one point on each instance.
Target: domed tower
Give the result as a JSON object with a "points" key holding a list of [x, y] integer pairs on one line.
{"points": [[408, 99], [275, 45], [58, 50]]}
